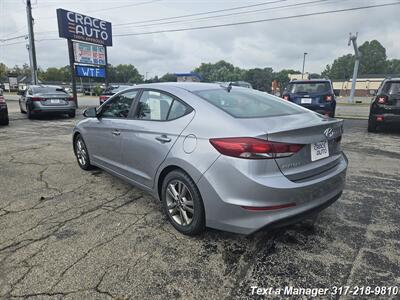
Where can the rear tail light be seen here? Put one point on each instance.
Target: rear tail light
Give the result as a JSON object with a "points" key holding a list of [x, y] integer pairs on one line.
{"points": [[286, 97], [252, 148], [328, 98], [103, 98], [2, 100], [379, 118], [70, 99], [381, 99], [38, 99]]}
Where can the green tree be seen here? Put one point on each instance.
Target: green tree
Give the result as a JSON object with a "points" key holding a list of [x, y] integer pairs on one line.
{"points": [[260, 79], [168, 78], [3, 72], [341, 68], [373, 58], [219, 71], [124, 74], [393, 66], [282, 77]]}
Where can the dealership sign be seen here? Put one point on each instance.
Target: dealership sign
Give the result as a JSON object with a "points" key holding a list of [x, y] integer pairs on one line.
{"points": [[89, 54], [87, 71], [76, 26]]}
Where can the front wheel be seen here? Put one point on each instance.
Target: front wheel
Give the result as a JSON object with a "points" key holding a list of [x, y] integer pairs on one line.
{"points": [[82, 154], [182, 203]]}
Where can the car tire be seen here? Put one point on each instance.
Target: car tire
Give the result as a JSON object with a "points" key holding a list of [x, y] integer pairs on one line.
{"points": [[4, 120], [29, 112], [82, 154], [21, 110], [186, 206], [372, 127], [72, 114]]}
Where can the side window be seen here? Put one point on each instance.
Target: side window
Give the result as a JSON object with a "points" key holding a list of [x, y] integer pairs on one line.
{"points": [[119, 106], [154, 105], [177, 110]]}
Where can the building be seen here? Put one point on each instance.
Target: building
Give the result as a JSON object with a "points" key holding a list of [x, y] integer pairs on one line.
{"points": [[188, 77], [364, 84]]}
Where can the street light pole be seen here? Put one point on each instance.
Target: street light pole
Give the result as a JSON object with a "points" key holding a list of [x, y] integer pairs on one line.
{"points": [[304, 62], [357, 55], [32, 49]]}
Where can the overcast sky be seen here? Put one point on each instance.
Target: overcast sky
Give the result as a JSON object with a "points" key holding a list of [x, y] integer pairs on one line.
{"points": [[277, 44]]}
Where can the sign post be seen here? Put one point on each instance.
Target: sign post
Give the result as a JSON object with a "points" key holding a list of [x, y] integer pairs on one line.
{"points": [[88, 39]]}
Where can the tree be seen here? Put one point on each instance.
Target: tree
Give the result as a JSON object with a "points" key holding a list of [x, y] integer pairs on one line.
{"points": [[219, 71], [168, 78], [341, 68], [124, 74], [393, 66], [260, 79], [3, 71], [282, 77], [373, 58]]}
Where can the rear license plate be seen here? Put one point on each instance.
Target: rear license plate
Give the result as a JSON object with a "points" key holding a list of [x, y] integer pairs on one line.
{"points": [[305, 100], [319, 150], [55, 101]]}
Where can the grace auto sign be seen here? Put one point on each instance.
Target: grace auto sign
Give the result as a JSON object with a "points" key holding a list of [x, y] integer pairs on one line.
{"points": [[75, 26]]}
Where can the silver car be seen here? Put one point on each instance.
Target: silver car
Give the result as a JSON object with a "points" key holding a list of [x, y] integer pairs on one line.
{"points": [[216, 156], [39, 99]]}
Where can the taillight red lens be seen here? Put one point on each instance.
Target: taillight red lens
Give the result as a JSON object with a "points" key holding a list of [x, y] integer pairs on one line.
{"points": [[70, 98], [286, 97], [381, 99], [37, 99], [103, 98], [329, 98], [253, 148], [2, 100]]}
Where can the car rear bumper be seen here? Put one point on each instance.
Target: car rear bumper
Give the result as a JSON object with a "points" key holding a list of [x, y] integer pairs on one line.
{"points": [[387, 118], [37, 107], [227, 190], [320, 108]]}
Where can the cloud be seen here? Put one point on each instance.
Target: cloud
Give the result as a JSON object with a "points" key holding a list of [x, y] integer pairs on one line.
{"points": [[278, 44]]}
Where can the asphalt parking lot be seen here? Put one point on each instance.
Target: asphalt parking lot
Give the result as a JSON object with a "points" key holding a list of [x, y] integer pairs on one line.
{"points": [[70, 234]]}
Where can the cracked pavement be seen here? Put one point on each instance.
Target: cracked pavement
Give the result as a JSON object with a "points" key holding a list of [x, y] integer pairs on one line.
{"points": [[71, 234]]}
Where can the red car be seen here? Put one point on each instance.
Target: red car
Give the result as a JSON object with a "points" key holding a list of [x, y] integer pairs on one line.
{"points": [[110, 91]]}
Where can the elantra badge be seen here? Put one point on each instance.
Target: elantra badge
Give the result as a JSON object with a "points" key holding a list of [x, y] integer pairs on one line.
{"points": [[328, 132]]}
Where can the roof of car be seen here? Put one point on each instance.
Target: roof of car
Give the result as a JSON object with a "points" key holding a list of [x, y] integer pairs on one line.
{"points": [[45, 86], [310, 80], [188, 86]]}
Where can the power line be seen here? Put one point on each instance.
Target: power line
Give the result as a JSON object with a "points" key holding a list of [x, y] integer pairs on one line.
{"points": [[199, 14], [234, 14], [258, 21], [13, 38]]}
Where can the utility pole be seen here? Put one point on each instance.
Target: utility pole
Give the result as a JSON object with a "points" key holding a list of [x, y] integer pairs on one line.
{"points": [[304, 62], [32, 49], [357, 55]]}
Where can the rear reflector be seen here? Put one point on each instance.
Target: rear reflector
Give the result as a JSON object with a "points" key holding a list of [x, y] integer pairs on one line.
{"points": [[286, 97], [329, 98], [252, 148], [38, 99], [264, 208], [379, 118]]}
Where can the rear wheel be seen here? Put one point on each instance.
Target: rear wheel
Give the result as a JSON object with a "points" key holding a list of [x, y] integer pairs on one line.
{"points": [[72, 114], [82, 154], [372, 127], [182, 203], [4, 119], [29, 112]]}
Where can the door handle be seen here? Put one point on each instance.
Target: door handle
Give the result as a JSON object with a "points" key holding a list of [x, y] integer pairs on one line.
{"points": [[163, 139], [116, 132]]}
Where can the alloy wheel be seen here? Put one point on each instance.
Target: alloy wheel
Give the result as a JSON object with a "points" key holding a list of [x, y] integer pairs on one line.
{"points": [[81, 152], [180, 203]]}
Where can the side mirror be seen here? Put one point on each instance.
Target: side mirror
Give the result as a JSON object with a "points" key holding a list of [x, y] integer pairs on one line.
{"points": [[372, 92], [90, 112]]}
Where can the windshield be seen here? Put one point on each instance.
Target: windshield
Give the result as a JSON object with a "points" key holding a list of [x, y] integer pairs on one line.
{"points": [[309, 87], [392, 88], [48, 90], [247, 103]]}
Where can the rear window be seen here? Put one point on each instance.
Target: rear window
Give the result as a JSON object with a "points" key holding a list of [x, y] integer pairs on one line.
{"points": [[246, 103], [48, 90], [309, 87], [392, 88]]}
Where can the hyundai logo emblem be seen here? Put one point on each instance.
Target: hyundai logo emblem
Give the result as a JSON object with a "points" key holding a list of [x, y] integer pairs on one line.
{"points": [[328, 132]]}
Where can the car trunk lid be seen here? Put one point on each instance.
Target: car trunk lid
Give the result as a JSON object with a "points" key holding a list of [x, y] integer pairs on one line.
{"points": [[54, 99]]}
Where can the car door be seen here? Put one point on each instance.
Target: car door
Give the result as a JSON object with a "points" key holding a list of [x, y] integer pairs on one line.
{"points": [[158, 120], [104, 133]]}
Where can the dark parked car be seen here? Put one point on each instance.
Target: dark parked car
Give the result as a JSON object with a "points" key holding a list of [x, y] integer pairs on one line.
{"points": [[316, 94], [385, 108], [3, 110], [111, 90], [38, 99]]}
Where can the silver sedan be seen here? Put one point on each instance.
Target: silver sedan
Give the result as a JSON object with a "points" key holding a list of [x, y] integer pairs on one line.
{"points": [[217, 156]]}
